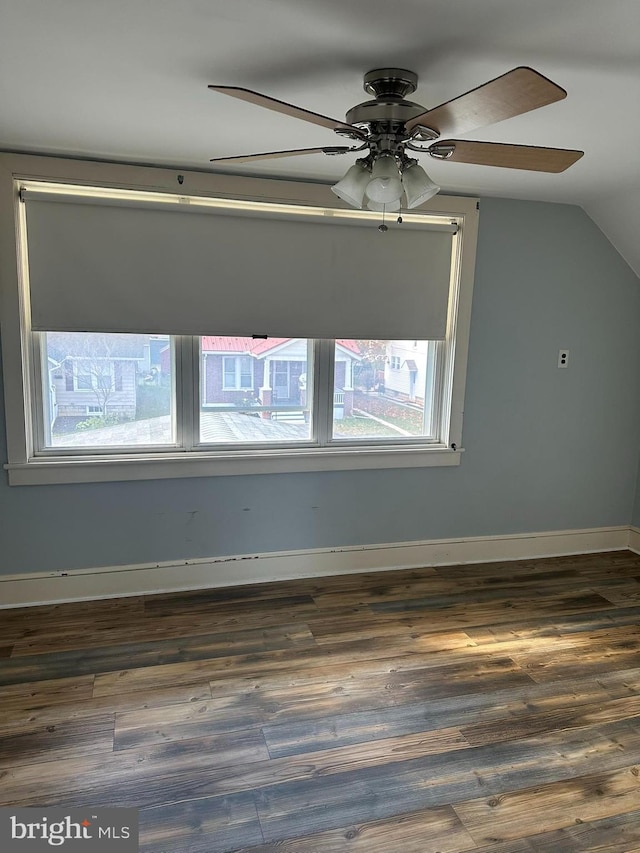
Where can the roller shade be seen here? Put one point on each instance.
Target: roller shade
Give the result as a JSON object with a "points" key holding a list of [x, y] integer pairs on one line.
{"points": [[135, 267]]}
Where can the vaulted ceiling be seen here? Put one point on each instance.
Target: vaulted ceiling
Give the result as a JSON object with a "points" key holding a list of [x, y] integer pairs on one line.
{"points": [[127, 80]]}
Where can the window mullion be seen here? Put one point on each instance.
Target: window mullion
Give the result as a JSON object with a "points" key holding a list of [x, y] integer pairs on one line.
{"points": [[186, 390], [323, 390]]}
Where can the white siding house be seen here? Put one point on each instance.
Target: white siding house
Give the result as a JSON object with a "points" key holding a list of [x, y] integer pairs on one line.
{"points": [[408, 369]]}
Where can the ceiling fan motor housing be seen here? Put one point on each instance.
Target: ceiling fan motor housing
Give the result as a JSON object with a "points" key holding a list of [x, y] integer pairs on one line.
{"points": [[390, 83], [383, 111], [389, 86]]}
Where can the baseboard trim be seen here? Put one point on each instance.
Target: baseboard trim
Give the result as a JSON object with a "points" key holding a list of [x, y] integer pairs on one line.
{"points": [[120, 581], [634, 539]]}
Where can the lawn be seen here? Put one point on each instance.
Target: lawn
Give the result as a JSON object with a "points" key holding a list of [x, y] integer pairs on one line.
{"points": [[404, 415], [362, 426]]}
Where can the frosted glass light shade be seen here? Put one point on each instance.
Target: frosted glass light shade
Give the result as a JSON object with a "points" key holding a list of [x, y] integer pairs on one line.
{"points": [[387, 208], [385, 185], [351, 188], [418, 186]]}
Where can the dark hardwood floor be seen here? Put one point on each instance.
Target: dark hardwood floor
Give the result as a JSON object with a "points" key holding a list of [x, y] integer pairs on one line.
{"points": [[491, 708]]}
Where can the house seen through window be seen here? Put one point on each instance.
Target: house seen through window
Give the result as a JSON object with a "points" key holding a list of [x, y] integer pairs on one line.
{"points": [[106, 391]]}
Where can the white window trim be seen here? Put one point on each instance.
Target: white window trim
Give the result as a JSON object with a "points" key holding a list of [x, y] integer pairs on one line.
{"points": [[24, 467]]}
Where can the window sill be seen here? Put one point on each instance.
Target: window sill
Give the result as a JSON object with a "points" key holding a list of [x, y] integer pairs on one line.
{"points": [[100, 469]]}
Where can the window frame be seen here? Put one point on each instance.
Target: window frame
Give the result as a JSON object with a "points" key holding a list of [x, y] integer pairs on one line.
{"points": [[187, 457], [42, 447], [431, 413], [198, 406]]}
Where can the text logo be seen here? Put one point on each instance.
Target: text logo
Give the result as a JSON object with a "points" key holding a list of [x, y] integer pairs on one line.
{"points": [[75, 830]]}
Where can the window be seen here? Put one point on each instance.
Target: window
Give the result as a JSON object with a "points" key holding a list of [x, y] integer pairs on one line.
{"points": [[259, 398], [164, 401], [84, 379], [93, 375], [237, 372], [375, 399], [367, 400], [116, 398]]}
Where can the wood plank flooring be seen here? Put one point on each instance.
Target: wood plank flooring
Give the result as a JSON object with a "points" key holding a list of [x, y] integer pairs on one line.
{"points": [[489, 708]]}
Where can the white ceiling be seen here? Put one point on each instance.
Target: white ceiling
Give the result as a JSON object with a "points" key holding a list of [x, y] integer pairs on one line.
{"points": [[127, 80]]}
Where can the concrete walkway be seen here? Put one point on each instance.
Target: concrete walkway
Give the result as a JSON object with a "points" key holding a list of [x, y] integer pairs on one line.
{"points": [[216, 427]]}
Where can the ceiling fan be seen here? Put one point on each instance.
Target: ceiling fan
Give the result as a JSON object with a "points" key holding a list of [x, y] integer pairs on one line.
{"points": [[389, 127]]}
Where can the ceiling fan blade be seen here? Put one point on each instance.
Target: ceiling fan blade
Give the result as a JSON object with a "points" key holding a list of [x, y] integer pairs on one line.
{"points": [[514, 93], [287, 109], [273, 155], [508, 156]]}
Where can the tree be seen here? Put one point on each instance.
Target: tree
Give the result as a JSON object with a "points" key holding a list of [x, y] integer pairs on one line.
{"points": [[370, 371], [89, 359], [95, 361]]}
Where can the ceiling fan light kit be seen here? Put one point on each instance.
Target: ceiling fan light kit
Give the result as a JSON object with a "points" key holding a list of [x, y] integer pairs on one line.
{"points": [[389, 126], [418, 186], [378, 206], [352, 187], [385, 185]]}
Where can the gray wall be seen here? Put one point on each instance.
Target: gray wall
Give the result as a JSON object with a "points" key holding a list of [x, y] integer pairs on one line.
{"points": [[546, 449]]}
